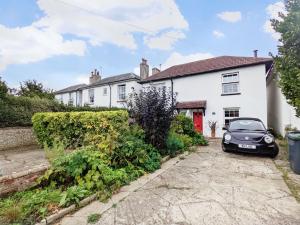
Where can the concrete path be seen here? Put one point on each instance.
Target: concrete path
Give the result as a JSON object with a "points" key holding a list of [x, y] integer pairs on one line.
{"points": [[207, 187], [14, 161]]}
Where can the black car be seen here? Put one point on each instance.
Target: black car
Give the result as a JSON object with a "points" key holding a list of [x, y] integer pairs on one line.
{"points": [[249, 135]]}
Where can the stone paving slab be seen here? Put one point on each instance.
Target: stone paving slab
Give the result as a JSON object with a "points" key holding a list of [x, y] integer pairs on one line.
{"points": [[19, 160], [207, 187]]}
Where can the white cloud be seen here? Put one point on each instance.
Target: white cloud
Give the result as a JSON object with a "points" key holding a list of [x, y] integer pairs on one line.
{"points": [[272, 12], [231, 17], [176, 58], [165, 41], [82, 79], [95, 22], [218, 34], [28, 44]]}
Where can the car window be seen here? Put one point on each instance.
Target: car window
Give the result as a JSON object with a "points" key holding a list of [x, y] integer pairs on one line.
{"points": [[252, 125]]}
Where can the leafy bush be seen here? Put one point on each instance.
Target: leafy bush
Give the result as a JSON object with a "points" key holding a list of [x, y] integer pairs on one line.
{"points": [[133, 150], [183, 125], [73, 195], [174, 144], [76, 129], [29, 206], [153, 110]]}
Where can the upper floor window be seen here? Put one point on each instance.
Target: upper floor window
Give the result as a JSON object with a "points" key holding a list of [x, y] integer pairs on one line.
{"points": [[91, 96], [122, 92], [159, 86], [229, 114], [230, 83], [105, 91]]}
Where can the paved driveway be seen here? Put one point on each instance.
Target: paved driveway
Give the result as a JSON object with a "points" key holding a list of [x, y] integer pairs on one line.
{"points": [[207, 187]]}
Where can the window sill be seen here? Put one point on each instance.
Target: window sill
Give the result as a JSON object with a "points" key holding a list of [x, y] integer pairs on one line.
{"points": [[231, 94], [122, 100]]}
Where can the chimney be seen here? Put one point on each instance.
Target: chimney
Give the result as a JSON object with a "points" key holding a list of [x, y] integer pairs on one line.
{"points": [[95, 76], [255, 53], [144, 69], [155, 70]]}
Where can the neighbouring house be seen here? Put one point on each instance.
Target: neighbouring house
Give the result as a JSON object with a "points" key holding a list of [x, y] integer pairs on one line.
{"points": [[71, 95], [107, 92], [280, 114], [217, 89]]}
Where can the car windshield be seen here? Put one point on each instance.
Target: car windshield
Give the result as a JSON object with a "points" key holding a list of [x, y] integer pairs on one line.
{"points": [[249, 125]]}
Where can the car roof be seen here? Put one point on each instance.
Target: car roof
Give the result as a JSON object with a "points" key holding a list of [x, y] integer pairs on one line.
{"points": [[246, 118]]}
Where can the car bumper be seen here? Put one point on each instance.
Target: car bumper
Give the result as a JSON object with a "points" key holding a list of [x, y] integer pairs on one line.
{"points": [[259, 148]]}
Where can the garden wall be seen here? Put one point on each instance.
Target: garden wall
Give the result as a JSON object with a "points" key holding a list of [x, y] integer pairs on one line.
{"points": [[14, 137]]}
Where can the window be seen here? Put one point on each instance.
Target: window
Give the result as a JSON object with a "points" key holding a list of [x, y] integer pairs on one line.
{"points": [[230, 83], [61, 98], [105, 91], [251, 125], [159, 86], [122, 92], [71, 100], [230, 114], [91, 96]]}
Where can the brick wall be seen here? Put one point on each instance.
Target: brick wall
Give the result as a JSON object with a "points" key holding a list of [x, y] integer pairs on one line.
{"points": [[16, 137]]}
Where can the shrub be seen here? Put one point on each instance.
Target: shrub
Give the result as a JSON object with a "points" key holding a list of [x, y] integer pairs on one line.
{"points": [[199, 139], [186, 139], [174, 144], [153, 110], [183, 125], [76, 129]]}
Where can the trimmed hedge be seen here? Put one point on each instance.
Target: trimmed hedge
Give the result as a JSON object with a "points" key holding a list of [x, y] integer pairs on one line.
{"points": [[75, 129], [18, 111]]}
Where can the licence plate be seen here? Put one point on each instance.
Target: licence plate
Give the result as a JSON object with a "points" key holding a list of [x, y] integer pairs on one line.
{"points": [[247, 146]]}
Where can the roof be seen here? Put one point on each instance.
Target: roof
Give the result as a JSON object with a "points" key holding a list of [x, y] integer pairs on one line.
{"points": [[191, 105], [108, 80], [114, 79], [71, 88], [207, 66]]}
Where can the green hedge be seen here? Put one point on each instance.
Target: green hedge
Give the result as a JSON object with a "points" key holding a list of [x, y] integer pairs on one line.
{"points": [[18, 111], [75, 129]]}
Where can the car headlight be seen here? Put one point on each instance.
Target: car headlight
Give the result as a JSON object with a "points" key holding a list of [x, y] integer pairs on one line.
{"points": [[268, 139], [227, 137]]}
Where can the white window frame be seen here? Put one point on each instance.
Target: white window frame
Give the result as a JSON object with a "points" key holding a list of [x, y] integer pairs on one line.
{"points": [[230, 117], [91, 94], [159, 86], [105, 91], [233, 81], [122, 92]]}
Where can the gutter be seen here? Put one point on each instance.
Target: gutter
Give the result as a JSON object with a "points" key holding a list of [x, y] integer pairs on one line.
{"points": [[172, 91], [109, 84]]}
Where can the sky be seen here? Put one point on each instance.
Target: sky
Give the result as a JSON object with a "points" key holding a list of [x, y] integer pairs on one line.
{"points": [[58, 42]]}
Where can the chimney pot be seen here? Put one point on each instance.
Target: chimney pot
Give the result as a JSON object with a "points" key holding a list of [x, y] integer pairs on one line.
{"points": [[95, 76], [155, 70], [255, 53]]}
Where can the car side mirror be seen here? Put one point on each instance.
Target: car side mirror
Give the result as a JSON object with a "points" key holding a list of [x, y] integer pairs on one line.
{"points": [[224, 128], [271, 130]]}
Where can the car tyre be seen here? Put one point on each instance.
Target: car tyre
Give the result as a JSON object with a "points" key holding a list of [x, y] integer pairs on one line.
{"points": [[275, 153]]}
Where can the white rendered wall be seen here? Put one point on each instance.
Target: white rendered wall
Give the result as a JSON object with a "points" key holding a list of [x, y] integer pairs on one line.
{"points": [[280, 113], [252, 102], [103, 100], [65, 97]]}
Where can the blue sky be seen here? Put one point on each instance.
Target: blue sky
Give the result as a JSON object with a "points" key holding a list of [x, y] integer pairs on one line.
{"points": [[58, 42]]}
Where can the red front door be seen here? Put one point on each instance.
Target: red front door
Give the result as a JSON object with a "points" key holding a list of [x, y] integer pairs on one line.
{"points": [[198, 121]]}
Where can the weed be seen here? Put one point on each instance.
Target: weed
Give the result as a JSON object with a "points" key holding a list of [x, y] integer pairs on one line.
{"points": [[93, 218]]}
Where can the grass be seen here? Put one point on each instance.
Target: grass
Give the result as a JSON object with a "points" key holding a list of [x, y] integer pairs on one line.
{"points": [[93, 218], [293, 186]]}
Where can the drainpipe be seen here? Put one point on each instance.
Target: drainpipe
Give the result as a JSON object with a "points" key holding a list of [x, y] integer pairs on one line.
{"points": [[172, 91], [109, 95]]}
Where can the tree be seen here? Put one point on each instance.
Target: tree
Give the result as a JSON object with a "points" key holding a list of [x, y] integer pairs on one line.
{"points": [[287, 62], [3, 89], [154, 111], [31, 88]]}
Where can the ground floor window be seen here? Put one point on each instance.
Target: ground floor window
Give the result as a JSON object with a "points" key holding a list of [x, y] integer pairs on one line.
{"points": [[91, 96], [229, 114]]}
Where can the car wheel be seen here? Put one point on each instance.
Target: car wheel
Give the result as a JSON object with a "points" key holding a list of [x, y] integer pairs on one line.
{"points": [[224, 149], [275, 153]]}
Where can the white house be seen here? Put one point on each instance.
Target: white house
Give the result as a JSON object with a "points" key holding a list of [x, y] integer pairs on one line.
{"points": [[217, 89], [280, 113], [108, 92]]}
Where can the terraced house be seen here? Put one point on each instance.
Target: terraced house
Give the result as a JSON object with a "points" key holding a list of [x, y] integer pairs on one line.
{"points": [[216, 89]]}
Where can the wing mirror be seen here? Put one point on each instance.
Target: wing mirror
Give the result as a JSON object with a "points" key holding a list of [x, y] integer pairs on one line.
{"points": [[224, 128]]}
